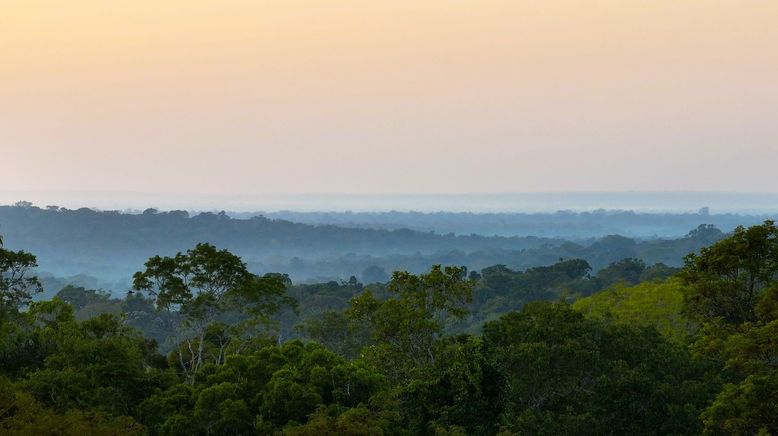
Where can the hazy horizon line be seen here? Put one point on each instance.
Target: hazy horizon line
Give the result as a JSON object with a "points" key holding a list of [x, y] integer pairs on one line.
{"points": [[390, 193], [494, 202]]}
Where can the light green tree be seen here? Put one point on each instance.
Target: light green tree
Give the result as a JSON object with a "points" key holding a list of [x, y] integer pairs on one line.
{"points": [[652, 304]]}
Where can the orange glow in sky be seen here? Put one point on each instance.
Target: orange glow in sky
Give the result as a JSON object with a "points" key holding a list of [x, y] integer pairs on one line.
{"points": [[293, 96]]}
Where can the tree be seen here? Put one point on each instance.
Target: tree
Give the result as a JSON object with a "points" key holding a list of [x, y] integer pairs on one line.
{"points": [[750, 407], [733, 290], [203, 284], [726, 279], [262, 391], [658, 272], [336, 421], [564, 374], [407, 326], [706, 233], [17, 286], [23, 204], [658, 305], [21, 414], [80, 297], [337, 332], [626, 271], [96, 368], [462, 390]]}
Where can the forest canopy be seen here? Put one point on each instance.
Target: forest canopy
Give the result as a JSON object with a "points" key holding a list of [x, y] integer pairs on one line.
{"points": [[203, 346]]}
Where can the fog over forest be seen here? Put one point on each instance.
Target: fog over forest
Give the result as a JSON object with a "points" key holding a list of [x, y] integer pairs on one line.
{"points": [[103, 248]]}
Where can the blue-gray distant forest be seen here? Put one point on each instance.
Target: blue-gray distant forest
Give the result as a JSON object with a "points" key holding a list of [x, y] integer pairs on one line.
{"points": [[108, 245], [561, 224]]}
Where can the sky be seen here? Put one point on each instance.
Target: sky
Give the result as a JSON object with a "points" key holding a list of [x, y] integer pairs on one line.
{"points": [[252, 97]]}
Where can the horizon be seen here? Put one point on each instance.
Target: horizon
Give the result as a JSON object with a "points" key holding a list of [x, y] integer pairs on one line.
{"points": [[753, 203]]}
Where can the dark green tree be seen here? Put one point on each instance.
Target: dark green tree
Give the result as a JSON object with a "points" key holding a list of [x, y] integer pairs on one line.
{"points": [[407, 326], [726, 279], [733, 291], [17, 284], [203, 285], [750, 407], [563, 374], [626, 271], [336, 331]]}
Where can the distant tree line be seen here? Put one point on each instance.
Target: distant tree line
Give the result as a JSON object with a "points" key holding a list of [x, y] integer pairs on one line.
{"points": [[560, 225], [109, 245]]}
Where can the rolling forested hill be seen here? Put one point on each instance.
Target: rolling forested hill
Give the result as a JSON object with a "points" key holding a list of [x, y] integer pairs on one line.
{"points": [[110, 245]]}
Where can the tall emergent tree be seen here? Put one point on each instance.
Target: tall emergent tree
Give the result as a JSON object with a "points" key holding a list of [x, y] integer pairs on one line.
{"points": [[203, 286]]}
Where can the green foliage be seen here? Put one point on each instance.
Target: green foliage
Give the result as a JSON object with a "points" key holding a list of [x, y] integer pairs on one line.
{"points": [[766, 308], [68, 377], [658, 305], [499, 289], [204, 285], [752, 349], [732, 289], [658, 272], [80, 297], [337, 332], [199, 280], [461, 391], [406, 326], [96, 364], [567, 375], [264, 391], [727, 278], [22, 415], [628, 271], [17, 286], [89, 303], [750, 407]]}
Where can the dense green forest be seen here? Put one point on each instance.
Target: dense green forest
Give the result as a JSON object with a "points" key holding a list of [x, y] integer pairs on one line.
{"points": [[102, 249], [201, 345]]}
